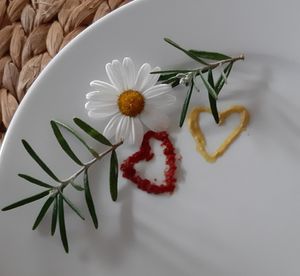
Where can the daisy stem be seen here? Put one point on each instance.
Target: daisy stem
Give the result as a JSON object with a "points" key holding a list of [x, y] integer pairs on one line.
{"points": [[69, 180]]}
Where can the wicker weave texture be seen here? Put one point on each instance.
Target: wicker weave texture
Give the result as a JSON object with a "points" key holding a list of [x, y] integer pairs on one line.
{"points": [[31, 34]]}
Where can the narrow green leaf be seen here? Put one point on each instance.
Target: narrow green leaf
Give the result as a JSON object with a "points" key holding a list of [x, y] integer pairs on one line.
{"points": [[77, 187], [62, 226], [209, 88], [92, 132], [64, 144], [113, 176], [175, 83], [186, 104], [196, 83], [212, 101], [26, 201], [43, 212], [191, 55], [209, 55], [221, 81], [169, 81], [210, 78], [171, 71], [72, 206], [167, 77], [37, 159], [54, 216], [35, 181], [89, 199], [73, 132]]}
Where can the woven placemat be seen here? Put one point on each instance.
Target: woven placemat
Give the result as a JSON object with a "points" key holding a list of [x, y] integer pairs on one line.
{"points": [[32, 32]]}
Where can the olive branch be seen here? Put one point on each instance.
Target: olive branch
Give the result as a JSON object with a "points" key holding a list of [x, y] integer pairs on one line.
{"points": [[188, 77], [55, 193]]}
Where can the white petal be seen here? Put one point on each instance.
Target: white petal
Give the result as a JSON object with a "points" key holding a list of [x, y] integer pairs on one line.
{"points": [[101, 106], [106, 97], [131, 137], [100, 115], [103, 86], [151, 80], [142, 76], [157, 90], [161, 102], [154, 119], [123, 127], [130, 72], [111, 127], [115, 74], [137, 131]]}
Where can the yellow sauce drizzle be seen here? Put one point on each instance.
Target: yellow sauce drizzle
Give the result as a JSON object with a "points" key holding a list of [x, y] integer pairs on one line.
{"points": [[196, 131]]}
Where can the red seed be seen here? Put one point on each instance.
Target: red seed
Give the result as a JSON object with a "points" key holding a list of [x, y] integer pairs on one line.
{"points": [[145, 153]]}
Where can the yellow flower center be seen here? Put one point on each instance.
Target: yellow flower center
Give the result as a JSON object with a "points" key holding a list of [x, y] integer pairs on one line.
{"points": [[131, 103]]}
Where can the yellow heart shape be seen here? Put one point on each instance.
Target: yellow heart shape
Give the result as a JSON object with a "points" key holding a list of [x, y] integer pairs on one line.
{"points": [[197, 133]]}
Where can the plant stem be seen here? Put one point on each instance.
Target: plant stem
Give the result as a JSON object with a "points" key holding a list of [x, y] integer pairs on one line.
{"points": [[221, 62], [214, 65], [205, 68], [66, 182]]}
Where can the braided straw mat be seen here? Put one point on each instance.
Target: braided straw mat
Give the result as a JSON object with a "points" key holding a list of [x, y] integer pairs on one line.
{"points": [[32, 32]]}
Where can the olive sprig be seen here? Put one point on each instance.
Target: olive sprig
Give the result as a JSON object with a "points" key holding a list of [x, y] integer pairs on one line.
{"points": [[189, 77], [54, 192]]}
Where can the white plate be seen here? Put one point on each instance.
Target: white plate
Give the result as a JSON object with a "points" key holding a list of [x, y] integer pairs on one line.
{"points": [[239, 216]]}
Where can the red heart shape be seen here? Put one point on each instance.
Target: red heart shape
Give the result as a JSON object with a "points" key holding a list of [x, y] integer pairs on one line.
{"points": [[146, 154]]}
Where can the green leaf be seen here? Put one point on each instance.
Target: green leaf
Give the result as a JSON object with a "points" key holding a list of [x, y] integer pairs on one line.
{"points": [[195, 83], [26, 201], [169, 81], [73, 132], [35, 181], [92, 132], [62, 226], [209, 55], [186, 104], [37, 159], [89, 199], [64, 144], [191, 55], [72, 206], [212, 101], [221, 81], [43, 212], [175, 83], [209, 88], [171, 71], [167, 77], [113, 176], [77, 187], [172, 81], [54, 216]]}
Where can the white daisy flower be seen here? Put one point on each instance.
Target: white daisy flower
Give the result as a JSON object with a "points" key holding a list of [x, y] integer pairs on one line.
{"points": [[133, 99]]}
